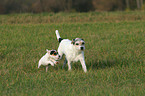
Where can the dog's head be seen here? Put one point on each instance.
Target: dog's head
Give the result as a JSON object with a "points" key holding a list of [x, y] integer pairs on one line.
{"points": [[53, 54], [78, 43]]}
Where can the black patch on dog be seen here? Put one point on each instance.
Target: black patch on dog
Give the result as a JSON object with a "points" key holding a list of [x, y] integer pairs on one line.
{"points": [[73, 41], [52, 52], [83, 43], [60, 39]]}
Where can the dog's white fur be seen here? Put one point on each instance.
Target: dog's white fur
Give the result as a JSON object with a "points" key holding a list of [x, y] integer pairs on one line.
{"points": [[48, 59], [72, 52]]}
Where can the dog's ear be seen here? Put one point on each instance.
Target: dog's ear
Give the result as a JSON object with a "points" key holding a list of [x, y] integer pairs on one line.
{"points": [[73, 41], [83, 39], [48, 51]]}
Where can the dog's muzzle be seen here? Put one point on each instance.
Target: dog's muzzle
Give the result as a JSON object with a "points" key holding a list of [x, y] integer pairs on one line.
{"points": [[82, 48]]}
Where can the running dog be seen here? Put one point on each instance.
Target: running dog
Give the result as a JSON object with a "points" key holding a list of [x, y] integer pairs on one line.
{"points": [[73, 50], [49, 58]]}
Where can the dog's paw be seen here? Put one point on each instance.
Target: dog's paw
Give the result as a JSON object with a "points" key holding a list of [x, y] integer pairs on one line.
{"points": [[56, 62], [69, 70]]}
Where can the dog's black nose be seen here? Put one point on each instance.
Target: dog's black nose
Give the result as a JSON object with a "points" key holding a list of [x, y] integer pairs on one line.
{"points": [[82, 48]]}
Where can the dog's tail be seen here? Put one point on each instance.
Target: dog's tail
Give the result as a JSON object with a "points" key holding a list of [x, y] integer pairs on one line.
{"points": [[58, 36]]}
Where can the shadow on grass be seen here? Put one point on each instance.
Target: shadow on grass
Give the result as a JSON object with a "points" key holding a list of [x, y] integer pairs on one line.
{"points": [[102, 64], [94, 65]]}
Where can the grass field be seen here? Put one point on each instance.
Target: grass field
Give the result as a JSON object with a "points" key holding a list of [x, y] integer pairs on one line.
{"points": [[114, 54]]}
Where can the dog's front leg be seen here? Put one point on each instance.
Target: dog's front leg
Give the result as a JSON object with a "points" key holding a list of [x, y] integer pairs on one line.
{"points": [[55, 62], [69, 65], [82, 60], [50, 62], [46, 68]]}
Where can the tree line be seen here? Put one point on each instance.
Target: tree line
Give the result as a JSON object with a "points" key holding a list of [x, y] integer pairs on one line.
{"points": [[38, 6]]}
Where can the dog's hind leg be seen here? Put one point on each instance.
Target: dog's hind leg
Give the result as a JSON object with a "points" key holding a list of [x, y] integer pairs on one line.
{"points": [[64, 64]]}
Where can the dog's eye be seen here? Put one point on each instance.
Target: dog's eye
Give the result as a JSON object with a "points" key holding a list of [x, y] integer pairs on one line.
{"points": [[55, 53], [83, 43], [77, 43]]}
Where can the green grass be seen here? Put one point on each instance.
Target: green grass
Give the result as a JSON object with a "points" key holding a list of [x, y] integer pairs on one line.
{"points": [[91, 17], [114, 54]]}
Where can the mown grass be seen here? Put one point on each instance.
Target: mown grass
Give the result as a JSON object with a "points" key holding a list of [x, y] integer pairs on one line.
{"points": [[114, 54]]}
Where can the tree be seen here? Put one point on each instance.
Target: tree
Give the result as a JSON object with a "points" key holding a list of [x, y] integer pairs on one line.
{"points": [[139, 3], [127, 4]]}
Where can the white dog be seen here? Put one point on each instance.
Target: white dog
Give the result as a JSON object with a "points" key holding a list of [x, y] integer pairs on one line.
{"points": [[73, 50], [49, 58]]}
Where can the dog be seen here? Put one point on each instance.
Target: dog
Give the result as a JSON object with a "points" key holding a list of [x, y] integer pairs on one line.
{"points": [[50, 57], [73, 50]]}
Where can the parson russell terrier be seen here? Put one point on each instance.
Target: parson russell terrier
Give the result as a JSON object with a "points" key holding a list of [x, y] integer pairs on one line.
{"points": [[50, 57], [73, 50]]}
